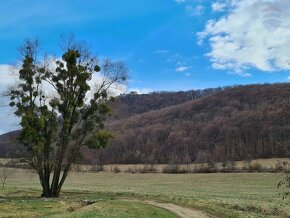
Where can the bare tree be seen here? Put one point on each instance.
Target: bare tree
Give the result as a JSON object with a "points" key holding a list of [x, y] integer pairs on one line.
{"points": [[5, 173]]}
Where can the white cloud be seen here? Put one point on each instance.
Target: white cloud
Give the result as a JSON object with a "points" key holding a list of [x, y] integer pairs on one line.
{"points": [[8, 121], [192, 7], [114, 90], [179, 63], [6, 76], [194, 10], [240, 73], [218, 6], [253, 34], [181, 69]]}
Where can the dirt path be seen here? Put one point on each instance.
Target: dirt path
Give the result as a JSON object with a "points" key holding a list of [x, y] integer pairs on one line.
{"points": [[183, 212]]}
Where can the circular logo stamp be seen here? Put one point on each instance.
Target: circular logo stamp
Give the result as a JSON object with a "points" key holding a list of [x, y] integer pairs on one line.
{"points": [[272, 17]]}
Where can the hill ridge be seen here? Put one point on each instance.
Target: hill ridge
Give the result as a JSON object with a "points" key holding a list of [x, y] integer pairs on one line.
{"points": [[232, 123]]}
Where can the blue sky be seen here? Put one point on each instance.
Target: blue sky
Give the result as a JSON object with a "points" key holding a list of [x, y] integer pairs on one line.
{"points": [[167, 44]]}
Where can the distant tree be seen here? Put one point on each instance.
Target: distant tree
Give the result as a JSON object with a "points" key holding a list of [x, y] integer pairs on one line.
{"points": [[285, 168], [187, 159], [211, 164], [5, 173], [224, 164], [285, 181], [55, 128], [232, 165]]}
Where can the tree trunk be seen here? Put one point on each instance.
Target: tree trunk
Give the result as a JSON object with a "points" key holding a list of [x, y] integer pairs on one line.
{"points": [[48, 191]]}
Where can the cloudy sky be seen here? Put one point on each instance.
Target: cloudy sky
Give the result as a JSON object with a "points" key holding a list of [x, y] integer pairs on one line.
{"points": [[167, 44]]}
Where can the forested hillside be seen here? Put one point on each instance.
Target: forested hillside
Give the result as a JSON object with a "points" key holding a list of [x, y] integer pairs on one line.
{"points": [[235, 123], [9, 145], [131, 104], [232, 123]]}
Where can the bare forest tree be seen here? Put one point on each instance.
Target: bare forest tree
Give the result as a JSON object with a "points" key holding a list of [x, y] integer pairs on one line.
{"points": [[284, 183]]}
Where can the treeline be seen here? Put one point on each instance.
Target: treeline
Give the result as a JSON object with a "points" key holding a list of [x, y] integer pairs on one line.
{"points": [[242, 122]]}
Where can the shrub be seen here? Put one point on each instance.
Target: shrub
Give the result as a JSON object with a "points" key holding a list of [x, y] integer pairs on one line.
{"points": [[76, 168], [97, 168], [211, 164], [148, 169], [232, 165], [130, 170], [257, 167], [116, 169], [247, 164], [225, 164], [145, 169], [205, 169], [173, 169], [228, 166], [278, 167]]}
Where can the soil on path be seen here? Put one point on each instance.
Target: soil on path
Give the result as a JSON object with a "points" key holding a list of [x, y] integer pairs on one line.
{"points": [[182, 212]]}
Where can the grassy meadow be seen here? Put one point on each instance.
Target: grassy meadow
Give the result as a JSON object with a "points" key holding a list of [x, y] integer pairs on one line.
{"points": [[71, 206], [219, 194]]}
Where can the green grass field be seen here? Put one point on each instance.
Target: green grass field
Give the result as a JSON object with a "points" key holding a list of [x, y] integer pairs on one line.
{"points": [[223, 195], [71, 206]]}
